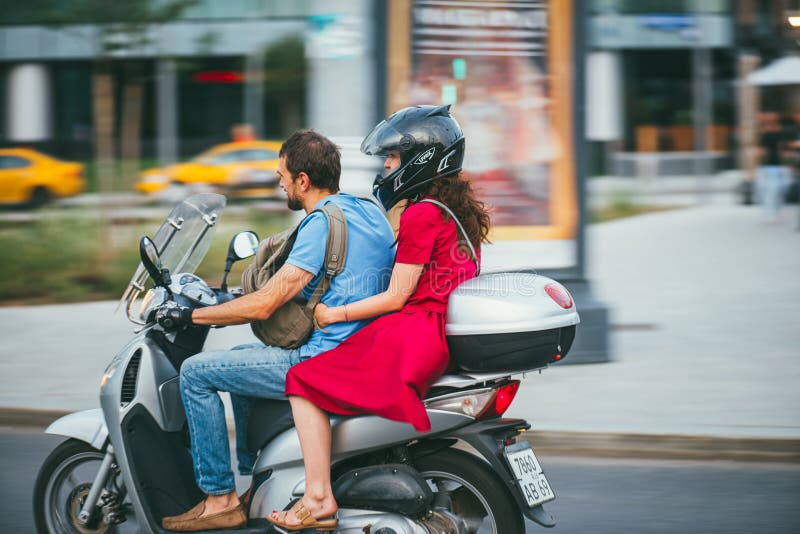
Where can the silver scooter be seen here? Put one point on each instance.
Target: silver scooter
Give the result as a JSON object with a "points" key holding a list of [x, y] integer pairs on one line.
{"points": [[127, 465]]}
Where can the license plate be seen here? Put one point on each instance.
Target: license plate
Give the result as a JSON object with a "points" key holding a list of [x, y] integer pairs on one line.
{"points": [[528, 472]]}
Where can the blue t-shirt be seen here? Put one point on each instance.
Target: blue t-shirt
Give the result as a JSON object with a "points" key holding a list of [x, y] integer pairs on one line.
{"points": [[367, 268]]}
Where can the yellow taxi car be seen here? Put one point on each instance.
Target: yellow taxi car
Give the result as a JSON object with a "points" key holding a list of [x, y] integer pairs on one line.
{"points": [[28, 176], [243, 168]]}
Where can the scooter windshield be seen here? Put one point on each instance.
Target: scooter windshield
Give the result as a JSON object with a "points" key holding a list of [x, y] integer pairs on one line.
{"points": [[182, 242]]}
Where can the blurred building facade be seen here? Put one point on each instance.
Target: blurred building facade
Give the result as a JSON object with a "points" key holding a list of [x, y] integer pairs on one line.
{"points": [[183, 84], [666, 91], [100, 85], [663, 76]]}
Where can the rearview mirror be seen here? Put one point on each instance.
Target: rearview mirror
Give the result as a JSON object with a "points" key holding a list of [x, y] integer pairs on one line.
{"points": [[151, 260], [243, 245]]}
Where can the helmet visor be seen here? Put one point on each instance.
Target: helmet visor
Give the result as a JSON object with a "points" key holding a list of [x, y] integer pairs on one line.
{"points": [[383, 139]]}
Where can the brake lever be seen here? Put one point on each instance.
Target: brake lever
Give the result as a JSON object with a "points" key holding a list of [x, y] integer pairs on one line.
{"points": [[145, 327]]}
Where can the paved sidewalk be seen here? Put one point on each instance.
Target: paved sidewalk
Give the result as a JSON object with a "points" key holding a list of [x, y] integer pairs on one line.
{"points": [[705, 305], [705, 310]]}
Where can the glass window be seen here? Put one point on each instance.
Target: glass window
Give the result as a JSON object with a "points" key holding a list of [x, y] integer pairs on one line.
{"points": [[259, 155], [13, 162], [41, 11], [643, 7], [229, 157], [244, 9]]}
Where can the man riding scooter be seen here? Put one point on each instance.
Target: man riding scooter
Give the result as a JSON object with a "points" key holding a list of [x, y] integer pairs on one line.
{"points": [[309, 171]]}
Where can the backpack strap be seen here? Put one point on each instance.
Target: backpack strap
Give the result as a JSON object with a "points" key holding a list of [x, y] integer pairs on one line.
{"points": [[466, 237], [372, 200], [335, 251]]}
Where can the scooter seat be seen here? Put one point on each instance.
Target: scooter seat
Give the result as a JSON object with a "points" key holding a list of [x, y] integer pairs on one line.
{"points": [[270, 417], [267, 419]]}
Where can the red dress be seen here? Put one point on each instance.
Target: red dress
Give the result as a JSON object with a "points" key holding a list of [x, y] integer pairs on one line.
{"points": [[388, 366]]}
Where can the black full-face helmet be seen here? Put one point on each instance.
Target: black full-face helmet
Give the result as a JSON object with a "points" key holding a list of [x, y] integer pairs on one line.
{"points": [[431, 146]]}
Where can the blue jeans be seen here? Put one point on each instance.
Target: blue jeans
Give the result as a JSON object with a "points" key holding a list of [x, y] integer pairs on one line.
{"points": [[246, 371]]}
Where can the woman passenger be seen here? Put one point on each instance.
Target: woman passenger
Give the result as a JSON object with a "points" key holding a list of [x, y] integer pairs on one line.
{"points": [[388, 366]]}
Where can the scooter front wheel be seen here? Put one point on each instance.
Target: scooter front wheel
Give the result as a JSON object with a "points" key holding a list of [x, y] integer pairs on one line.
{"points": [[61, 488]]}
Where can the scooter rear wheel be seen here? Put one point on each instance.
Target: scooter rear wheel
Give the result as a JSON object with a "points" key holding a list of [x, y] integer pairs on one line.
{"points": [[465, 487]]}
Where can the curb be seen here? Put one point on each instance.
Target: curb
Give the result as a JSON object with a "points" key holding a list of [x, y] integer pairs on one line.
{"points": [[583, 444], [29, 418], [664, 446]]}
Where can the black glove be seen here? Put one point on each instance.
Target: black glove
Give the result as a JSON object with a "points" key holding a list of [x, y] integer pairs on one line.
{"points": [[172, 316]]}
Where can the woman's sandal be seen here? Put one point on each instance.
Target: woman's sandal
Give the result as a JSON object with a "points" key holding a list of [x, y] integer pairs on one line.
{"points": [[306, 519]]}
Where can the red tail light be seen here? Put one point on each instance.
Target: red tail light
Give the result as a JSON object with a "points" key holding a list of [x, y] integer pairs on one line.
{"points": [[559, 294], [502, 400], [484, 403], [74, 172]]}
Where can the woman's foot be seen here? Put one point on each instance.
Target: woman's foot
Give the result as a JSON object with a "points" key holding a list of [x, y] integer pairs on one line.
{"points": [[308, 513]]}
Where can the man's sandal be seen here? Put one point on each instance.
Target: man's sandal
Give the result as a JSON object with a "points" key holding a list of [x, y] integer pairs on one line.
{"points": [[306, 520]]}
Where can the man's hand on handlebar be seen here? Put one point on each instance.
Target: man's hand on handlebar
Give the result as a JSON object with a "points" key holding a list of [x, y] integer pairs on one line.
{"points": [[171, 316]]}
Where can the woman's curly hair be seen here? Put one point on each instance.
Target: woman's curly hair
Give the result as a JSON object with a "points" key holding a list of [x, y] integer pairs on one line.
{"points": [[456, 193]]}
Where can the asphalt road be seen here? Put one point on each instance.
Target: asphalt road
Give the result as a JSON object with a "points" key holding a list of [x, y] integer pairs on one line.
{"points": [[595, 496]]}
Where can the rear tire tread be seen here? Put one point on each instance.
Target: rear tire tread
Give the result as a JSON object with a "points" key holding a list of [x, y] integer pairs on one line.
{"points": [[507, 515]]}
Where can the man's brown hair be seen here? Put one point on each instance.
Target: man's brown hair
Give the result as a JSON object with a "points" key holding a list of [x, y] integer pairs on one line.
{"points": [[314, 154]]}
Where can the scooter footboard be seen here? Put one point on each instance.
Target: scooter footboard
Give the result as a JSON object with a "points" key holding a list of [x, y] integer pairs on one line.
{"points": [[88, 426], [158, 465]]}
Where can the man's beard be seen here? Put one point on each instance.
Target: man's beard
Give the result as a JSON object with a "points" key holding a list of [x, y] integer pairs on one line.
{"points": [[293, 203]]}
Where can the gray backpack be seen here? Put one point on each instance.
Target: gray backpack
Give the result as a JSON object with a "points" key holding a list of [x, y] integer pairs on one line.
{"points": [[291, 325]]}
